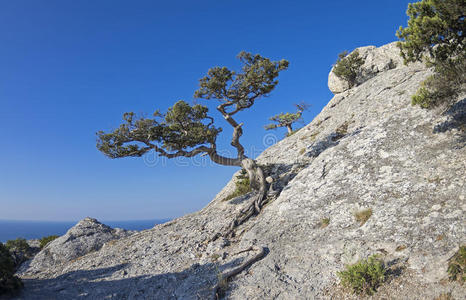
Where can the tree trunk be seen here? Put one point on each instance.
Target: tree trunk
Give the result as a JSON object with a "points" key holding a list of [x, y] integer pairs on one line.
{"points": [[290, 129], [259, 185]]}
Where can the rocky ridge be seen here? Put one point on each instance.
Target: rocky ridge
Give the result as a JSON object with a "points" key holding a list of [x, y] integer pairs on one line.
{"points": [[367, 149], [86, 236]]}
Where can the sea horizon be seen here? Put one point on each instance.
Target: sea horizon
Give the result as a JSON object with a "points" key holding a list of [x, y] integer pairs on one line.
{"points": [[36, 229]]}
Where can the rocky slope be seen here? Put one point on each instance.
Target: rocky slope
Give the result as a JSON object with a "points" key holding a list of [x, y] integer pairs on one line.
{"points": [[367, 149]]}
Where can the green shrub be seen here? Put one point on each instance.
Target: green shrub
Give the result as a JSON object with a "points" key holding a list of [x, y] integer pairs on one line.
{"points": [[243, 186], [435, 34], [363, 215], [365, 276], [47, 239], [324, 222], [442, 87], [8, 282], [347, 66], [457, 266], [19, 245], [20, 251]]}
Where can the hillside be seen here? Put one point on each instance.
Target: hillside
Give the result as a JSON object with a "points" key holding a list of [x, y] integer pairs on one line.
{"points": [[367, 149]]}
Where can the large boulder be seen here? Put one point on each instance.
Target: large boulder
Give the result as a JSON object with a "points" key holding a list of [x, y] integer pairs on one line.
{"points": [[86, 236], [376, 60]]}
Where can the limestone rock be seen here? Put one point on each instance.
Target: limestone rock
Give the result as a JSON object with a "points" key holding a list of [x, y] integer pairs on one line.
{"points": [[368, 148], [376, 60], [86, 236]]}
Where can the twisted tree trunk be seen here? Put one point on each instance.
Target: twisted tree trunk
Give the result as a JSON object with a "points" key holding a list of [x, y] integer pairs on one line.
{"points": [[255, 173]]}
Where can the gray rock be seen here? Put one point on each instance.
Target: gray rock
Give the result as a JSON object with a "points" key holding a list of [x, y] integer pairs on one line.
{"points": [[86, 236], [368, 148], [375, 60]]}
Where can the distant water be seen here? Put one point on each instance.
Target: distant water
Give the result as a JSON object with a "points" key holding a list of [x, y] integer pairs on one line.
{"points": [[10, 230]]}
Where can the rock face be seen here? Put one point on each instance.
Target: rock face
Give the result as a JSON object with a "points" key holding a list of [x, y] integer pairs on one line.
{"points": [[376, 60], [367, 149], [86, 236]]}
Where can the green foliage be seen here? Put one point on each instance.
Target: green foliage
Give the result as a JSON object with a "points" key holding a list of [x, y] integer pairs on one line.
{"points": [[347, 66], [8, 282], [434, 26], [287, 119], [241, 89], [19, 244], [180, 129], [283, 119], [443, 86], [47, 239], [457, 266], [435, 34], [363, 215], [187, 130], [243, 186], [324, 222], [365, 276]]}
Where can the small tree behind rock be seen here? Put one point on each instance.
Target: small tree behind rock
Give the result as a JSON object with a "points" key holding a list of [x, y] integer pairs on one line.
{"points": [[287, 119], [20, 250], [347, 66]]}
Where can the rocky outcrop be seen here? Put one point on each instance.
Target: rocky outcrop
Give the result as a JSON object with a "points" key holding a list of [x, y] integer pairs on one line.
{"points": [[86, 236], [367, 149], [376, 60]]}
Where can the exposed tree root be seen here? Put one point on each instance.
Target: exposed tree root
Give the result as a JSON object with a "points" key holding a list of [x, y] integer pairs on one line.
{"points": [[258, 183], [224, 277]]}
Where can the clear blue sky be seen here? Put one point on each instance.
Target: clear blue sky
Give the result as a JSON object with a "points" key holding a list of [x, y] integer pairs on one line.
{"points": [[71, 68]]}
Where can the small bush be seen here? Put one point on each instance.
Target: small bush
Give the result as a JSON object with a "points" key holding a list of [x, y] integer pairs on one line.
{"points": [[242, 186], [437, 89], [457, 266], [20, 245], [363, 215], [20, 251], [47, 239], [347, 66], [444, 296], [8, 282], [324, 222], [400, 248], [365, 276], [342, 130]]}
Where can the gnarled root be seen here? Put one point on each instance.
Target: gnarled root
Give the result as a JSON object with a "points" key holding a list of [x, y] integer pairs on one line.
{"points": [[258, 183], [224, 277]]}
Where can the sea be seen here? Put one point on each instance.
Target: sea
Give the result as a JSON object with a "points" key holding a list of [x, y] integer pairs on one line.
{"points": [[12, 229]]}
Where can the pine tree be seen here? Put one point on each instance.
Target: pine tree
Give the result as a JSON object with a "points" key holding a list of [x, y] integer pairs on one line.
{"points": [[187, 130]]}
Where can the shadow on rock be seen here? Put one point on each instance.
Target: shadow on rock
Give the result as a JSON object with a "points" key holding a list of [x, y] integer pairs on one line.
{"points": [[196, 282], [456, 120]]}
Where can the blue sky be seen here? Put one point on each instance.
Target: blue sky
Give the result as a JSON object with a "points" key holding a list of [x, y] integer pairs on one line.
{"points": [[71, 68]]}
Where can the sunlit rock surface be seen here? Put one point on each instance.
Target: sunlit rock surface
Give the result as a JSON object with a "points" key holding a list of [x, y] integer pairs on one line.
{"points": [[367, 149]]}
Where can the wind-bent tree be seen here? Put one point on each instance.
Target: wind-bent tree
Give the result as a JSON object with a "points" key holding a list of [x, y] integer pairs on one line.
{"points": [[187, 130], [287, 119], [435, 34]]}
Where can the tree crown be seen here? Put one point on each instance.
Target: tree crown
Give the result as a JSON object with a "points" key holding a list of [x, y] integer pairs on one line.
{"points": [[188, 130], [258, 78], [435, 26], [287, 119]]}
